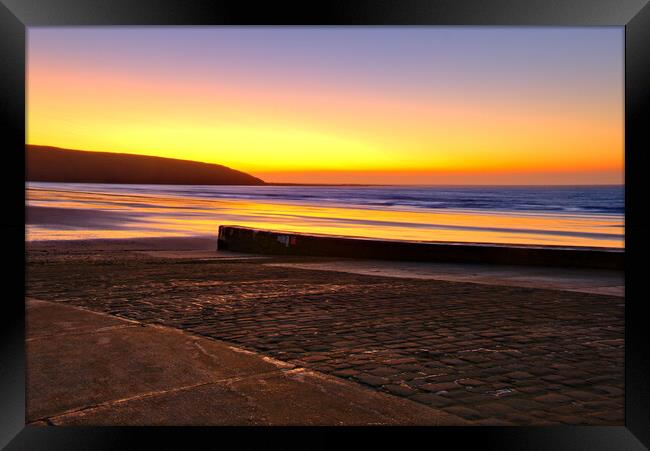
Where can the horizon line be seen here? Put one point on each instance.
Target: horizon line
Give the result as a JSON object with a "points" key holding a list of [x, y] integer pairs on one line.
{"points": [[366, 171]]}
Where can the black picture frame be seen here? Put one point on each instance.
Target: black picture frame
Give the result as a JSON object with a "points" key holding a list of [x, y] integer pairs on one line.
{"points": [[16, 15]]}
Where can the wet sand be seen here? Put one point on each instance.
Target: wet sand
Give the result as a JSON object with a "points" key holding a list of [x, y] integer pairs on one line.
{"points": [[76, 214]]}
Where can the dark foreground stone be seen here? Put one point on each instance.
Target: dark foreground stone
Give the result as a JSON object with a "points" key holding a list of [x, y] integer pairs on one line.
{"points": [[488, 354], [90, 369], [244, 239]]}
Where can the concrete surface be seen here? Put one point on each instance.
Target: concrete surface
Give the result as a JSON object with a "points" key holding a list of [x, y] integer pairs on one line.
{"points": [[245, 239], [596, 281], [489, 353], [87, 368]]}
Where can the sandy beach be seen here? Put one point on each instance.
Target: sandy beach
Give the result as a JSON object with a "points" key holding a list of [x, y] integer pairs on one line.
{"points": [[63, 211], [450, 344]]}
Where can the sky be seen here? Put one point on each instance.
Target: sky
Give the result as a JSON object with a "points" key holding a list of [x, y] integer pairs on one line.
{"points": [[405, 105]]}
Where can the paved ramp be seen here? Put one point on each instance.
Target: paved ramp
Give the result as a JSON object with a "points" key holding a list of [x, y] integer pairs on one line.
{"points": [[87, 368]]}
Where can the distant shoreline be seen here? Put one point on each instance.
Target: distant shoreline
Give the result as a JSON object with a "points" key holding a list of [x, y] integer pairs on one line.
{"points": [[52, 164], [447, 185], [361, 185], [57, 165]]}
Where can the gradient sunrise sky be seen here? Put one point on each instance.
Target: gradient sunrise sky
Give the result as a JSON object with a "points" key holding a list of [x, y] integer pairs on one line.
{"points": [[411, 105]]}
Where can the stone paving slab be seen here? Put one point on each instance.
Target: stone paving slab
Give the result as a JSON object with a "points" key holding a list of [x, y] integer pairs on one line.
{"points": [[69, 370], [487, 353], [44, 319], [103, 374], [295, 397]]}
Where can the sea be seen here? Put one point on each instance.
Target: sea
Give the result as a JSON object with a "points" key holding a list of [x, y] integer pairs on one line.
{"points": [[592, 216]]}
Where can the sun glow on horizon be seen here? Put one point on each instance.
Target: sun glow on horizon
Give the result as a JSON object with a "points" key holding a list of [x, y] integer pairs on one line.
{"points": [[366, 107]]}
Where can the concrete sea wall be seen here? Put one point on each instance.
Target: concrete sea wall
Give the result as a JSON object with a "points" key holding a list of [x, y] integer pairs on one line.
{"points": [[244, 239]]}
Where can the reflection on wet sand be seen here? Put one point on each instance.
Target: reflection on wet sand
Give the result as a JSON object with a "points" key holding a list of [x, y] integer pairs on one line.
{"points": [[55, 214]]}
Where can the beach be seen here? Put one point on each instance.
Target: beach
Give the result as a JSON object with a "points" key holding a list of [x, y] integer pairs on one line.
{"points": [[295, 226], [119, 331], [561, 216]]}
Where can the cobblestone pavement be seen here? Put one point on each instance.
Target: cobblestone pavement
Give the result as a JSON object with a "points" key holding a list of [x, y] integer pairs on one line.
{"points": [[489, 354]]}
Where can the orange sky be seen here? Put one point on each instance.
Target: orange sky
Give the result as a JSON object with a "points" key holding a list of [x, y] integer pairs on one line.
{"points": [[307, 106]]}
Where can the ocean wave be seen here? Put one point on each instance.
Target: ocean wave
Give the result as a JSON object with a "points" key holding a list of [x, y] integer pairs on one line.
{"points": [[589, 200]]}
